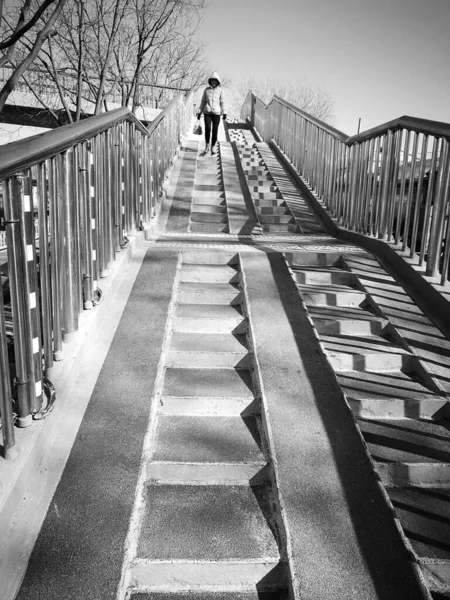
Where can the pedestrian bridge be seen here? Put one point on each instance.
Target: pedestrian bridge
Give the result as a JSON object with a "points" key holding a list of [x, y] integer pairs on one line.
{"points": [[225, 376]]}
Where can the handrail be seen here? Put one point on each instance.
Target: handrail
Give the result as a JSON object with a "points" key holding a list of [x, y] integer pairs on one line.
{"points": [[70, 197], [425, 126], [26, 152], [390, 182]]}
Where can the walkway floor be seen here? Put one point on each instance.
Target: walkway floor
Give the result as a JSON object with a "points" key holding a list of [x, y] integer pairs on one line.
{"points": [[219, 456]]}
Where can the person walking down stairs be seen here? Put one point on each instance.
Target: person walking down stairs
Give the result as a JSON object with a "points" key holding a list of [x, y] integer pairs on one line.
{"points": [[212, 106]]}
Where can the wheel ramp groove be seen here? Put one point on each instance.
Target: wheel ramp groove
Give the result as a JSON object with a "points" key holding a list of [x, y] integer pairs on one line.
{"points": [[271, 420]]}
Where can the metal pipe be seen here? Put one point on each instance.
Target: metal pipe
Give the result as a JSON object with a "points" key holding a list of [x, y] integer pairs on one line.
{"points": [[418, 202], [6, 403], [429, 200], [44, 264], [71, 275], [439, 211], [410, 190]]}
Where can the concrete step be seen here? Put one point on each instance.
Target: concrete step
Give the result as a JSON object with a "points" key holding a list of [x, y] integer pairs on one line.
{"points": [[274, 219], [279, 594], [205, 186], [273, 209], [196, 439], [199, 201], [188, 350], [205, 325], [209, 273], [409, 452], [260, 178], [202, 293], [424, 515], [199, 359], [279, 228], [208, 383], [316, 259], [262, 188], [215, 312], [212, 523], [211, 207], [209, 257], [208, 342], [206, 172], [352, 327], [373, 353], [251, 171], [270, 203], [213, 198], [214, 216], [334, 276], [207, 228], [258, 195], [212, 179], [332, 295]]}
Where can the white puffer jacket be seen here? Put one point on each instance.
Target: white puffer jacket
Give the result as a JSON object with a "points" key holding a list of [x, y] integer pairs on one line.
{"points": [[213, 99]]}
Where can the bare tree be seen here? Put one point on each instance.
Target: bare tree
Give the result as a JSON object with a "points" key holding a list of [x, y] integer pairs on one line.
{"points": [[23, 30], [157, 46], [106, 46], [312, 99]]}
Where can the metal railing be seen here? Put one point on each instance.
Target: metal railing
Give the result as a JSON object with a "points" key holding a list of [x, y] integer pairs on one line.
{"points": [[82, 188], [391, 182]]}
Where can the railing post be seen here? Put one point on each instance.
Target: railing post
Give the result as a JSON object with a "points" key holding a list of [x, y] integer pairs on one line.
{"points": [[86, 227], [44, 264], [71, 281], [439, 211], [388, 168], [6, 408], [13, 192]]}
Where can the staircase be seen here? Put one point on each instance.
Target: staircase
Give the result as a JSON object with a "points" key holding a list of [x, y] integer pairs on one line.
{"points": [[208, 210], [205, 514], [392, 365]]}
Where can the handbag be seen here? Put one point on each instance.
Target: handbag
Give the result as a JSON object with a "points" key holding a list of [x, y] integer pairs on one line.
{"points": [[198, 129]]}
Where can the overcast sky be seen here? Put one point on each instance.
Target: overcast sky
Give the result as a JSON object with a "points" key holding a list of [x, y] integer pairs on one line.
{"points": [[379, 59]]}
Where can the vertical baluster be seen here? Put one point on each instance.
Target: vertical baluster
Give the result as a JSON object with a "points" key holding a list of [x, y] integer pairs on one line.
{"points": [[110, 202], [386, 185], [439, 211], [32, 299], [446, 252], [56, 243], [398, 136], [402, 173], [362, 184], [93, 191], [6, 407], [429, 199], [418, 196], [352, 198], [340, 180], [381, 163], [12, 191], [331, 203], [346, 185], [410, 190], [44, 264], [71, 275], [85, 227]]}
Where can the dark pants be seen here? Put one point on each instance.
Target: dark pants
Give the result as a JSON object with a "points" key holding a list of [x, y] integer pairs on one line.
{"points": [[215, 120]]}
